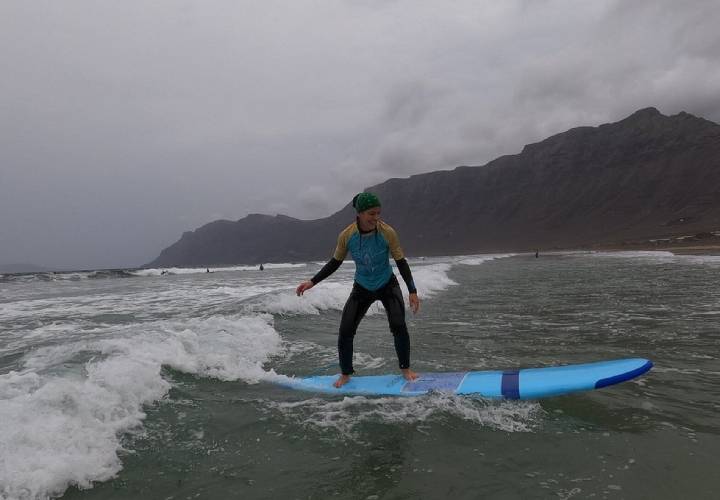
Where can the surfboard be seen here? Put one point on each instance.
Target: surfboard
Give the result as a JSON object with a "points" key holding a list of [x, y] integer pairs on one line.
{"points": [[527, 383]]}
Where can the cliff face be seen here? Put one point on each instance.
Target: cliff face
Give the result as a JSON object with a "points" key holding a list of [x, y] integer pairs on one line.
{"points": [[647, 176], [254, 239]]}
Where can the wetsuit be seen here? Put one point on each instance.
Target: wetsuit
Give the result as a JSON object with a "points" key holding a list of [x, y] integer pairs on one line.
{"points": [[374, 280]]}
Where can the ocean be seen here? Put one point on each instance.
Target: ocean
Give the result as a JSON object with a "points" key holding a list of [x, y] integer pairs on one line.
{"points": [[165, 383]]}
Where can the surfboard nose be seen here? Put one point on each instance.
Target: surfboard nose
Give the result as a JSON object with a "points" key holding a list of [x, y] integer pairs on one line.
{"points": [[645, 366]]}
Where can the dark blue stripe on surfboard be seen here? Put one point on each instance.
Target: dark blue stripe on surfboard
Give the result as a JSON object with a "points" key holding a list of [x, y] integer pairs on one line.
{"points": [[510, 385], [623, 376]]}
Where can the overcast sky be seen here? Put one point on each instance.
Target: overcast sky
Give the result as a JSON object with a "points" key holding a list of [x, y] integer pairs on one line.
{"points": [[125, 123]]}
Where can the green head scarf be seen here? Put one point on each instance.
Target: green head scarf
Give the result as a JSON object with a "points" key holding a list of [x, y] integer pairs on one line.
{"points": [[365, 201]]}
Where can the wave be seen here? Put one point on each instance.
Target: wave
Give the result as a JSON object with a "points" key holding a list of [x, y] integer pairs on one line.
{"points": [[71, 403], [45, 276], [110, 273], [66, 276], [198, 270], [161, 271], [131, 272], [332, 294], [476, 260]]}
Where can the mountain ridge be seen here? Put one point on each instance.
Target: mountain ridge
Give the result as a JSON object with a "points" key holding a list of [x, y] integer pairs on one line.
{"points": [[590, 185]]}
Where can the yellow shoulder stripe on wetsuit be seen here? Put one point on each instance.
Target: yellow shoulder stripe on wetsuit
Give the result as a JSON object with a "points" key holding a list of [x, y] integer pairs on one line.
{"points": [[393, 241], [341, 250]]}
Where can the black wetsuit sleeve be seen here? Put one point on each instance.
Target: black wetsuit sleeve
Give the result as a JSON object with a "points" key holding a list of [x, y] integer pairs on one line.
{"points": [[332, 265], [404, 269]]}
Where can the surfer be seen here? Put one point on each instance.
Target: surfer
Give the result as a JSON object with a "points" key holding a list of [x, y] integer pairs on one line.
{"points": [[370, 242]]}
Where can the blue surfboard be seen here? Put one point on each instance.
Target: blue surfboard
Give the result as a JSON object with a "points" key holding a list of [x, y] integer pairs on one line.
{"points": [[527, 383]]}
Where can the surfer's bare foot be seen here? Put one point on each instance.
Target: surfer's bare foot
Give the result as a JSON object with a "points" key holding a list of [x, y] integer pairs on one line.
{"points": [[341, 381], [409, 374]]}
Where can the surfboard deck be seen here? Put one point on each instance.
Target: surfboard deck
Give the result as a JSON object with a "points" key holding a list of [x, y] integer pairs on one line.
{"points": [[527, 383]]}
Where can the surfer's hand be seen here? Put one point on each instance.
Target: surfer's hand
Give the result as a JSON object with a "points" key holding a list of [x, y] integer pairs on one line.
{"points": [[304, 286], [414, 302]]}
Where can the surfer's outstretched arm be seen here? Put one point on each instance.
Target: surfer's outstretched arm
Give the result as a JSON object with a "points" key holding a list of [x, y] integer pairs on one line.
{"points": [[332, 265]]}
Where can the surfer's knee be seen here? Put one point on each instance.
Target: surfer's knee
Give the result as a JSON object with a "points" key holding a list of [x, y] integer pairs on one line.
{"points": [[399, 329], [346, 332], [348, 327]]}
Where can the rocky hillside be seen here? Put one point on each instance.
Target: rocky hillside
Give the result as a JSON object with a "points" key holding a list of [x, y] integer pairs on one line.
{"points": [[649, 176]]}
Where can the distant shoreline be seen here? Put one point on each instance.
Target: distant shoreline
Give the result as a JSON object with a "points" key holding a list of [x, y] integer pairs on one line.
{"points": [[711, 248]]}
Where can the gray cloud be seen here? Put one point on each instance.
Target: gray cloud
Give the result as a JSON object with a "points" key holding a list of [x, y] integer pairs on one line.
{"points": [[123, 124]]}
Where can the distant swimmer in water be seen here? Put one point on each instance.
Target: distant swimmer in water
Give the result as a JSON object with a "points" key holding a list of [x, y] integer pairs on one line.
{"points": [[537, 253], [207, 270], [163, 273], [262, 268], [370, 242]]}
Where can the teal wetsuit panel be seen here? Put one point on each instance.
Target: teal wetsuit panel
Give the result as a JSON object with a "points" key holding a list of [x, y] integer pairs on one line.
{"points": [[371, 253]]}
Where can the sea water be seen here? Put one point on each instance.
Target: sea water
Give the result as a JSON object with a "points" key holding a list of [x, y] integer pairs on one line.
{"points": [[162, 383]]}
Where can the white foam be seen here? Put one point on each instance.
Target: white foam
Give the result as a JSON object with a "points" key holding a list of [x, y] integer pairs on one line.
{"points": [[430, 279], [476, 260], [65, 430], [332, 294], [218, 347], [300, 348], [346, 416], [363, 361], [18, 339], [180, 299], [67, 422], [60, 306], [328, 295], [238, 292], [328, 355]]}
